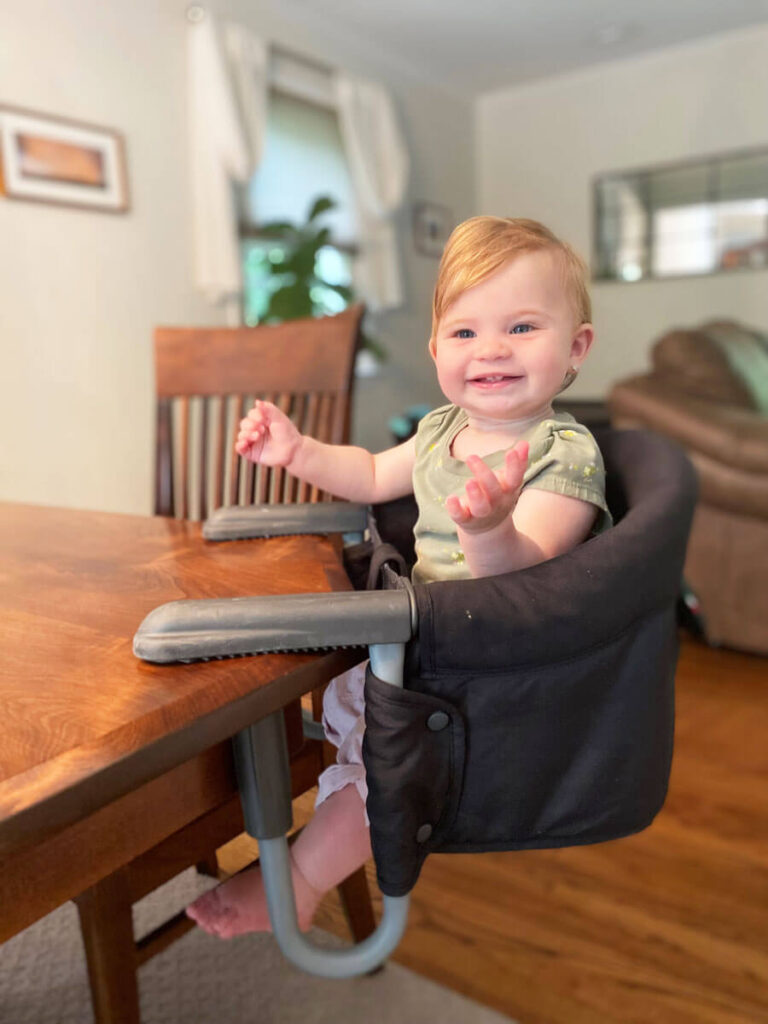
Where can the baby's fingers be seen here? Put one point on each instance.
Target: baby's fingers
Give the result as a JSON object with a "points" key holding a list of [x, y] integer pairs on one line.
{"points": [[249, 434], [258, 414], [479, 501], [243, 445], [456, 510], [515, 464], [487, 481], [252, 432]]}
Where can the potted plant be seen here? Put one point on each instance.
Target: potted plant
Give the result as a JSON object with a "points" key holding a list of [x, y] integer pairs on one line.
{"points": [[292, 279]]}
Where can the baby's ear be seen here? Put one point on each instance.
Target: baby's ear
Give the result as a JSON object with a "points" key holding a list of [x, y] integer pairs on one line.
{"points": [[432, 347], [582, 342]]}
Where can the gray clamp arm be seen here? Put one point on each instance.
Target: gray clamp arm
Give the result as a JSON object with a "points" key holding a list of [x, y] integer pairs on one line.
{"points": [[238, 522], [189, 630], [230, 627]]}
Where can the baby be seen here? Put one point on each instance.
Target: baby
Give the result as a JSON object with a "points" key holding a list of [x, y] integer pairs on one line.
{"points": [[500, 480]]}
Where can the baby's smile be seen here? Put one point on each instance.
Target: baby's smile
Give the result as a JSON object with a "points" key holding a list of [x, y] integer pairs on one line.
{"points": [[493, 380]]}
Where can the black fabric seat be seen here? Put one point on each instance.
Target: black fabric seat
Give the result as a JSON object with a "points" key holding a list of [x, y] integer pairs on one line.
{"points": [[538, 706]]}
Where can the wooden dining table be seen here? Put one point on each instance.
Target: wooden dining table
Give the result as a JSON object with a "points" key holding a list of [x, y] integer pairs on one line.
{"points": [[103, 756]]}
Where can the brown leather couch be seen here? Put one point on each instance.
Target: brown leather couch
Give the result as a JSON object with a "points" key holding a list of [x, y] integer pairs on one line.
{"points": [[708, 390]]}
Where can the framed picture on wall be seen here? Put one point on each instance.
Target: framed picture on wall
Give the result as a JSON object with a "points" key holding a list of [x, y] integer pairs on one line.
{"points": [[55, 160], [432, 223]]}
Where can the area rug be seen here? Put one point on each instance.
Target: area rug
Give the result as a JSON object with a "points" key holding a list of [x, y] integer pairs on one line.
{"points": [[200, 980]]}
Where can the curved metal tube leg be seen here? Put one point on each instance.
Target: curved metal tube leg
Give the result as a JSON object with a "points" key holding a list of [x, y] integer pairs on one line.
{"points": [[327, 963], [263, 777], [387, 662]]}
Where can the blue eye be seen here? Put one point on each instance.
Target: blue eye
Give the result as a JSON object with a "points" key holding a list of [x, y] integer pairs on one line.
{"points": [[521, 329], [465, 332]]}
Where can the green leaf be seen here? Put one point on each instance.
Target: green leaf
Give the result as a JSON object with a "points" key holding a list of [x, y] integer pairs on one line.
{"points": [[301, 261], [320, 205], [290, 303], [278, 229], [322, 237]]}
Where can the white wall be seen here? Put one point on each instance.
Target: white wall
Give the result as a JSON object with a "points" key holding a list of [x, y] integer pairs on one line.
{"points": [[80, 292], [540, 146]]}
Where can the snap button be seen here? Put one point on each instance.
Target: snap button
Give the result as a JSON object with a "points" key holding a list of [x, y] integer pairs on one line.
{"points": [[437, 721], [424, 833]]}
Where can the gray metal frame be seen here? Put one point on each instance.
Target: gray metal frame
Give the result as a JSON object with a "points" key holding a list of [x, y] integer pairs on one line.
{"points": [[193, 630]]}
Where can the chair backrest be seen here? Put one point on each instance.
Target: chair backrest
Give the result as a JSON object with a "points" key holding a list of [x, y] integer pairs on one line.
{"points": [[206, 380]]}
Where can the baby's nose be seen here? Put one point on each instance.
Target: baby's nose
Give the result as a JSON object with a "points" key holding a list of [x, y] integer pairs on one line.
{"points": [[494, 346]]}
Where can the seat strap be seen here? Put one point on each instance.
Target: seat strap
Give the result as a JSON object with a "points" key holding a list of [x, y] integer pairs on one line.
{"points": [[381, 558]]}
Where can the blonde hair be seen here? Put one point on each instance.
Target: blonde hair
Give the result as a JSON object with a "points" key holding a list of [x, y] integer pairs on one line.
{"points": [[480, 246]]}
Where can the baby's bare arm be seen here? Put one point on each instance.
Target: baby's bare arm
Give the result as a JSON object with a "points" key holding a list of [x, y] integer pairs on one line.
{"points": [[268, 436], [502, 527], [354, 473], [544, 524]]}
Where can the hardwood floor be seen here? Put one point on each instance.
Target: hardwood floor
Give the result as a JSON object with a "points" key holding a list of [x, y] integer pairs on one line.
{"points": [[666, 927]]}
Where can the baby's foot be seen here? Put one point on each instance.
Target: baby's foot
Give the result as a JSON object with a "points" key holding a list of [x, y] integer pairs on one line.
{"points": [[239, 905]]}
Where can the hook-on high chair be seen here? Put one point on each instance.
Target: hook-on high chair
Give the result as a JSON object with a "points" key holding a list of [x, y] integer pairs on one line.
{"points": [[527, 710]]}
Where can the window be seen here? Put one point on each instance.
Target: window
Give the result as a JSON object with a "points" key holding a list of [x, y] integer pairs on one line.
{"points": [[303, 159], [700, 217]]}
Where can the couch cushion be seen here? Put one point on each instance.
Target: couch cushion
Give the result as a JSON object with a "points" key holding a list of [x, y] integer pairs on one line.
{"points": [[747, 354], [697, 365]]}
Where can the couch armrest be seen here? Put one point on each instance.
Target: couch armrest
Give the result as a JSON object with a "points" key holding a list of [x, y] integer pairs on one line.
{"points": [[728, 434]]}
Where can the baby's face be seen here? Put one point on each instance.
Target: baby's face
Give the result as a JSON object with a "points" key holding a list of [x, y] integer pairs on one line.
{"points": [[502, 350]]}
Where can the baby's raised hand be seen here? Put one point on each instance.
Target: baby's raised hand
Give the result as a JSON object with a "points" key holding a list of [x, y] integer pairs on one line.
{"points": [[267, 436], [491, 496]]}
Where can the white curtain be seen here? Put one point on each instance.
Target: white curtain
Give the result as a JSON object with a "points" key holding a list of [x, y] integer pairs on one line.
{"points": [[248, 57], [226, 144], [228, 89], [378, 163]]}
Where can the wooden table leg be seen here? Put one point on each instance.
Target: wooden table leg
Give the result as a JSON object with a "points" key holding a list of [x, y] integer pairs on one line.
{"points": [[107, 928]]}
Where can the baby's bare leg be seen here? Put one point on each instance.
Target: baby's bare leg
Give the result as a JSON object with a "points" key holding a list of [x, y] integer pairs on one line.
{"points": [[334, 844]]}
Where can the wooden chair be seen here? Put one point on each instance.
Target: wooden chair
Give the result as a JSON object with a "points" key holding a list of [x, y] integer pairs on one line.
{"points": [[207, 379]]}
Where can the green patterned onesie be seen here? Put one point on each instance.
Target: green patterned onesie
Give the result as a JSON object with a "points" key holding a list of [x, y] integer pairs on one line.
{"points": [[563, 457]]}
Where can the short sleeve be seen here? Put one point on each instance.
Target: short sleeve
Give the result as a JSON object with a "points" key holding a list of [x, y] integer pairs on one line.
{"points": [[432, 427], [565, 458]]}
